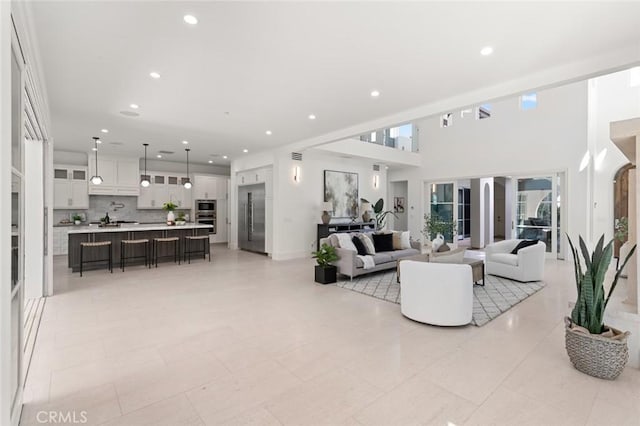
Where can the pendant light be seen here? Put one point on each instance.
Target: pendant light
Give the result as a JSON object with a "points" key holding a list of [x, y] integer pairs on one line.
{"points": [[187, 182], [145, 179], [96, 179]]}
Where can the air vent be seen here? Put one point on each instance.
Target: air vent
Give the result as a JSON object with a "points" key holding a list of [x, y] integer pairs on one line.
{"points": [[296, 156], [376, 167], [115, 143], [129, 113], [166, 152]]}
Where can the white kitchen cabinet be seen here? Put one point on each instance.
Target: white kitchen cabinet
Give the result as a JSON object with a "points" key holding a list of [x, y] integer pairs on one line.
{"points": [[70, 187], [156, 194], [180, 195], [252, 176], [120, 176], [221, 235], [205, 187]]}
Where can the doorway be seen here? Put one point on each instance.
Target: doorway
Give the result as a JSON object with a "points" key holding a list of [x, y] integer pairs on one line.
{"points": [[398, 195]]}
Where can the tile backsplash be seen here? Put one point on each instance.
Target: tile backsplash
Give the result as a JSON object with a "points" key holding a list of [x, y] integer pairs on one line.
{"points": [[118, 207]]}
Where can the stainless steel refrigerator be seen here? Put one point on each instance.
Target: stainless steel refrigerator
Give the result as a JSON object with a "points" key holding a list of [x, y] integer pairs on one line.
{"points": [[251, 218]]}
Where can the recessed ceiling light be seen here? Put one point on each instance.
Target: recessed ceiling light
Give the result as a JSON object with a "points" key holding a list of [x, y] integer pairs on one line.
{"points": [[159, 156], [190, 19], [245, 150], [268, 132], [210, 161], [185, 142], [134, 106], [225, 157], [486, 51], [104, 131], [375, 94], [154, 75], [312, 117]]}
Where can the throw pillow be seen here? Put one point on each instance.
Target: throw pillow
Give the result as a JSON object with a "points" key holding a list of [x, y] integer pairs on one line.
{"points": [[522, 244], [368, 243], [405, 240], [383, 242], [397, 242], [362, 251], [344, 241]]}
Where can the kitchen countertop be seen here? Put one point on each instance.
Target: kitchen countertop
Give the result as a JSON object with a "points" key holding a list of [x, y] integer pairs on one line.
{"points": [[128, 227]]}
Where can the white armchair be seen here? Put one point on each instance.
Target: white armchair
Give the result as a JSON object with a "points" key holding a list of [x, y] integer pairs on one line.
{"points": [[436, 293], [527, 265]]}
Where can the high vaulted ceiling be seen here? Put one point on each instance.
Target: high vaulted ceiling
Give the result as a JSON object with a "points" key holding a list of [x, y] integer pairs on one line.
{"points": [[246, 68]]}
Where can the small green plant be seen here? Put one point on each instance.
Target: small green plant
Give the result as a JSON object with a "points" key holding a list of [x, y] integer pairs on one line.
{"points": [[621, 229], [591, 303], [76, 217], [325, 255], [180, 217], [434, 225], [379, 212], [169, 206]]}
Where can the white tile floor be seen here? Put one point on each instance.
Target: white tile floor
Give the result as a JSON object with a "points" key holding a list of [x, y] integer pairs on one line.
{"points": [[246, 340]]}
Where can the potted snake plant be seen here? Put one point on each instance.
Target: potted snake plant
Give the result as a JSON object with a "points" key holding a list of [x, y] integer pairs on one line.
{"points": [[594, 348], [325, 272]]}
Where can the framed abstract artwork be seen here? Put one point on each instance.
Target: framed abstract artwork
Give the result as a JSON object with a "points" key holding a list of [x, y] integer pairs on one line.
{"points": [[341, 190]]}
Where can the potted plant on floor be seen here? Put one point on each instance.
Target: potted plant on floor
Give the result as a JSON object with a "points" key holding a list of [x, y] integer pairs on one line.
{"points": [[593, 347], [379, 212], [325, 272]]}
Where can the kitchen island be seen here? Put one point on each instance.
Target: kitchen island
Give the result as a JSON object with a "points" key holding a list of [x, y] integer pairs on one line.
{"points": [[127, 232]]}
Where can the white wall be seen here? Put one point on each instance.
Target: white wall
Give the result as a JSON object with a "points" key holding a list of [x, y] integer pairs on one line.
{"points": [[550, 138], [610, 99], [298, 205]]}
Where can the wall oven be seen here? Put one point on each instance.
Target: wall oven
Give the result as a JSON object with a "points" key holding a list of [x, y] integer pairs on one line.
{"points": [[205, 205], [206, 214]]}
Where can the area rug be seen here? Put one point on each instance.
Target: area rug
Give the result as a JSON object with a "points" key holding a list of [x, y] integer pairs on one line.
{"points": [[498, 295]]}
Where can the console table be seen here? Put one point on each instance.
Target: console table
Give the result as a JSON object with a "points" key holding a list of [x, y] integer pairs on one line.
{"points": [[333, 228]]}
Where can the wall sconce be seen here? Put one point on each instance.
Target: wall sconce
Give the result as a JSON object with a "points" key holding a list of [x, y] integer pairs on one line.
{"points": [[296, 174], [376, 181]]}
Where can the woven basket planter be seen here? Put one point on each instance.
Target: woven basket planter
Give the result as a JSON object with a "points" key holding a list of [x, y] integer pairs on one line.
{"points": [[595, 355]]}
